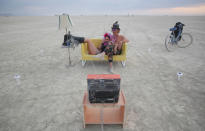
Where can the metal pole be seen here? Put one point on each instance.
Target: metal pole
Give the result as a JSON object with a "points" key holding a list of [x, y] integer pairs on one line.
{"points": [[69, 56], [101, 117], [68, 49]]}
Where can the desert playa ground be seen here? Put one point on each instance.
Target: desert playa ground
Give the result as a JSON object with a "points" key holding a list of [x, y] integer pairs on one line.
{"points": [[48, 95]]}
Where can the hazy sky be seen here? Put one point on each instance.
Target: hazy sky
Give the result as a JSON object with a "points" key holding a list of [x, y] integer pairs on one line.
{"points": [[92, 7]]}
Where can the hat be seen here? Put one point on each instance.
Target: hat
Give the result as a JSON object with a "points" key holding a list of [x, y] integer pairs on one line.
{"points": [[116, 25], [108, 35]]}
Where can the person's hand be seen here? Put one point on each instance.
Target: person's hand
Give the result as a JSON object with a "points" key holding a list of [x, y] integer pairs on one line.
{"points": [[120, 42], [115, 50]]}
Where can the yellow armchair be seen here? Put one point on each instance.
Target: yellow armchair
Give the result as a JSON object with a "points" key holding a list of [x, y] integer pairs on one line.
{"points": [[97, 42]]}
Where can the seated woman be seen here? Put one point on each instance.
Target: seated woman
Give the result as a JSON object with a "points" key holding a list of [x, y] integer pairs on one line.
{"points": [[107, 48]]}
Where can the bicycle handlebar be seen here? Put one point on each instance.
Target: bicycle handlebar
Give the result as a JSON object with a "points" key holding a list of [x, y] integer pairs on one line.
{"points": [[173, 29]]}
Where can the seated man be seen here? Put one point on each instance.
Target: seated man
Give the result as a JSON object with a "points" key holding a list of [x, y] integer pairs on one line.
{"points": [[78, 40], [118, 39]]}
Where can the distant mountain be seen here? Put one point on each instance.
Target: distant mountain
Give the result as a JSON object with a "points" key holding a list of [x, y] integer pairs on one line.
{"points": [[6, 14]]}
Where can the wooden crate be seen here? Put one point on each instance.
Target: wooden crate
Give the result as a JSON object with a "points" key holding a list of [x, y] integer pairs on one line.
{"points": [[106, 113]]}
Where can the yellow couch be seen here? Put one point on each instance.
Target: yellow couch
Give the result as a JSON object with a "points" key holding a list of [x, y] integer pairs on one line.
{"points": [[97, 42]]}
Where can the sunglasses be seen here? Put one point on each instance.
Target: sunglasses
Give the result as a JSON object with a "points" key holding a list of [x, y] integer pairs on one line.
{"points": [[114, 29]]}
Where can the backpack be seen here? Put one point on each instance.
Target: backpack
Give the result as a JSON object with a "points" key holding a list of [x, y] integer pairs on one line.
{"points": [[178, 26]]}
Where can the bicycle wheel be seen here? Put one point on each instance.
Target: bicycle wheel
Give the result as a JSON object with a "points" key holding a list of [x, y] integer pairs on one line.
{"points": [[170, 46], [186, 40]]}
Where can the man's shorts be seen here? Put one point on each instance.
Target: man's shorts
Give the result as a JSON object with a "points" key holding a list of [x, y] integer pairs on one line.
{"points": [[118, 52], [109, 50]]}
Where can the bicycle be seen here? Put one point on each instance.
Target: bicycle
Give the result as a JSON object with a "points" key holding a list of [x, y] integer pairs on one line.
{"points": [[182, 40]]}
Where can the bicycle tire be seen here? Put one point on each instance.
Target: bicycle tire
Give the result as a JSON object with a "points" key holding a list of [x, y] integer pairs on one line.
{"points": [[186, 40], [168, 43]]}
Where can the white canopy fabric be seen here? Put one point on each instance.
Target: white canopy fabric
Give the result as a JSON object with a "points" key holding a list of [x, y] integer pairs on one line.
{"points": [[65, 22]]}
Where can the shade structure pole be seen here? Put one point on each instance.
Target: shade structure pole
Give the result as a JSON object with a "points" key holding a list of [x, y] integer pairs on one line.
{"points": [[69, 58]]}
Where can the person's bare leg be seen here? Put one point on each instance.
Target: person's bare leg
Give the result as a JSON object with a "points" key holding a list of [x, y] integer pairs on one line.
{"points": [[100, 55], [111, 68], [110, 64], [91, 47], [110, 60]]}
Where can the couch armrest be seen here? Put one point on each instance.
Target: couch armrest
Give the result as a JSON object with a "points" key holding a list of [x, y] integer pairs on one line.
{"points": [[84, 50], [124, 49]]}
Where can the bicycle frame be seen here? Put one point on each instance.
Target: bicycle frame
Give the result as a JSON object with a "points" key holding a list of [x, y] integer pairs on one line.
{"points": [[175, 39]]}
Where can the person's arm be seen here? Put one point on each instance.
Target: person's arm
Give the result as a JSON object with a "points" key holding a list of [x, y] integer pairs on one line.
{"points": [[124, 40], [115, 48]]}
